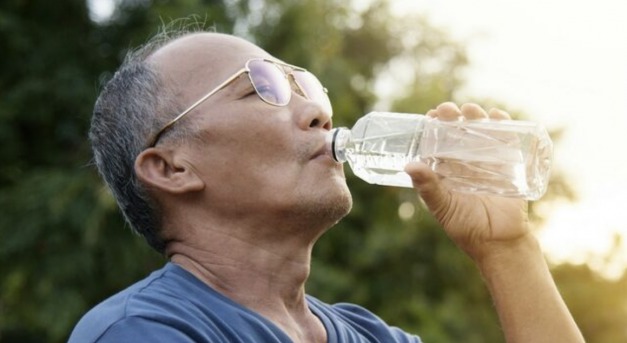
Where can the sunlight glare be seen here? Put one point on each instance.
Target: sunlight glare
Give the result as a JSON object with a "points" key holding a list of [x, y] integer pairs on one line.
{"points": [[101, 10], [563, 65]]}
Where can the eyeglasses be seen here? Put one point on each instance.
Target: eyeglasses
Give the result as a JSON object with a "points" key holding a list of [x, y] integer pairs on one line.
{"points": [[271, 83]]}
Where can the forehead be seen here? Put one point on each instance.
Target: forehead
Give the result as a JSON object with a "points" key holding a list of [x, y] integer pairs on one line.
{"points": [[202, 60]]}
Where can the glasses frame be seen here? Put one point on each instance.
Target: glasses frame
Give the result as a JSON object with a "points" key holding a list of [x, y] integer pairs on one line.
{"points": [[246, 69]]}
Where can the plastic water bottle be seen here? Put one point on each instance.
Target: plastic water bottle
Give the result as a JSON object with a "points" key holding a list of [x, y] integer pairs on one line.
{"points": [[483, 156]]}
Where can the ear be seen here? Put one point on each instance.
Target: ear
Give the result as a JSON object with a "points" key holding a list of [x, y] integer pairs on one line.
{"points": [[163, 170]]}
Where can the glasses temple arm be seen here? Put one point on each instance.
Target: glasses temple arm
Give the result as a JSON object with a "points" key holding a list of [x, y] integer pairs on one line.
{"points": [[196, 104]]}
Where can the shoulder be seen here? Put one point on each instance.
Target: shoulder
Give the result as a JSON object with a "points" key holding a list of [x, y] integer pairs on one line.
{"points": [[131, 329], [171, 305], [146, 304], [350, 320]]}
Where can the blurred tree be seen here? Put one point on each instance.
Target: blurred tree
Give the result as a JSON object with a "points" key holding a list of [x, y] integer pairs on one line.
{"points": [[599, 305], [64, 246], [63, 242]]}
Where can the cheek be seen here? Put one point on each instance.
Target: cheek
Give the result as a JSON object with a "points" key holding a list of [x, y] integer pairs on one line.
{"points": [[252, 186], [267, 147], [263, 136], [255, 163], [255, 151]]}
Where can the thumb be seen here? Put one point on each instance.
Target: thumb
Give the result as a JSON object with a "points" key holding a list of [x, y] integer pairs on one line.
{"points": [[429, 187]]}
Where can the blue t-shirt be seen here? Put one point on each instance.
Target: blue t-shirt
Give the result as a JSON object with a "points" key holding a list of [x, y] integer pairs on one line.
{"points": [[172, 305]]}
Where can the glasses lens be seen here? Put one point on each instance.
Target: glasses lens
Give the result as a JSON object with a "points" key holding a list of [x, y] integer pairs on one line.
{"points": [[270, 82], [313, 89]]}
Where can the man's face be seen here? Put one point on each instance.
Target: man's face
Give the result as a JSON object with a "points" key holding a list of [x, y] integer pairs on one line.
{"points": [[256, 159]]}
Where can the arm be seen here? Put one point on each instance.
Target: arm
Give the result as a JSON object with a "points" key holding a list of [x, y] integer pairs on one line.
{"points": [[495, 233], [529, 305]]}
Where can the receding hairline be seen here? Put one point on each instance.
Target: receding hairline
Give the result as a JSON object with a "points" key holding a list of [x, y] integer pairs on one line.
{"points": [[193, 63], [189, 42]]}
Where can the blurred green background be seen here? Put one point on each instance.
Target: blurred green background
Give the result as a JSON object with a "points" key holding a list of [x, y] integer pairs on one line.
{"points": [[64, 246]]}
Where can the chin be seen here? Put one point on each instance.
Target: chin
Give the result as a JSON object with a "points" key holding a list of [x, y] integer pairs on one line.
{"points": [[324, 206], [335, 206]]}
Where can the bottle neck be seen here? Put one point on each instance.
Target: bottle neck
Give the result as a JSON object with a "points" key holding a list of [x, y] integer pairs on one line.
{"points": [[337, 141]]}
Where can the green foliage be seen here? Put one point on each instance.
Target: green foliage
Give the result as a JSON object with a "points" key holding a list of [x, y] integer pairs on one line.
{"points": [[64, 245], [598, 305], [407, 271]]}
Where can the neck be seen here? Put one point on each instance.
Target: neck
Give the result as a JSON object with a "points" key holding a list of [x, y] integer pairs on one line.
{"points": [[246, 271], [264, 275]]}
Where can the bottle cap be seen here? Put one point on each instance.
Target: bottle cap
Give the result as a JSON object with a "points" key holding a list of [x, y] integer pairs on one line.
{"points": [[336, 141]]}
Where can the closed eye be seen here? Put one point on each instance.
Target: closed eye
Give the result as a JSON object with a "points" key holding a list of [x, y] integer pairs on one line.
{"points": [[268, 93]]}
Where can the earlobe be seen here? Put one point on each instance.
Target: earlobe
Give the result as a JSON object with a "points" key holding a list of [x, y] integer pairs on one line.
{"points": [[161, 170]]}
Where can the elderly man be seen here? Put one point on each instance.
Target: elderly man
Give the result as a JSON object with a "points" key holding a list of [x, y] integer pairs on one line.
{"points": [[236, 190]]}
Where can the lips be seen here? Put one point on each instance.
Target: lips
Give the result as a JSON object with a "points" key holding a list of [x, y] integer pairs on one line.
{"points": [[319, 149], [320, 152]]}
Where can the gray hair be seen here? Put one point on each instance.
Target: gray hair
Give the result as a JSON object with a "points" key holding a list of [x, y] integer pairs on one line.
{"points": [[133, 105]]}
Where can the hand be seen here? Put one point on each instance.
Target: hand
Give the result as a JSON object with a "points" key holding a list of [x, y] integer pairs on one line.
{"points": [[494, 231], [478, 224]]}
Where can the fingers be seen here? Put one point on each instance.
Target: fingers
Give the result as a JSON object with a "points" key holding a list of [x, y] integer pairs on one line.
{"points": [[473, 111], [429, 187], [449, 111], [496, 113]]}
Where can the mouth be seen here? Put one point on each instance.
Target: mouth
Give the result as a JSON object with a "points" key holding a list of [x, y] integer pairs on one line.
{"points": [[322, 151]]}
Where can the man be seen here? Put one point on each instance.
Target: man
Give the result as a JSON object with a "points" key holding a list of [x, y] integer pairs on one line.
{"points": [[237, 188]]}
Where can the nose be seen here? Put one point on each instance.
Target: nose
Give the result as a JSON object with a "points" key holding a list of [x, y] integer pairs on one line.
{"points": [[311, 114], [323, 121]]}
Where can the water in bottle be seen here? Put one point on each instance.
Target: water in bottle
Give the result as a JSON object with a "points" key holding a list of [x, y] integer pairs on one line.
{"points": [[483, 156]]}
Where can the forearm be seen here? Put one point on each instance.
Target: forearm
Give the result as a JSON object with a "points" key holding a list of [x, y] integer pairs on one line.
{"points": [[527, 301]]}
